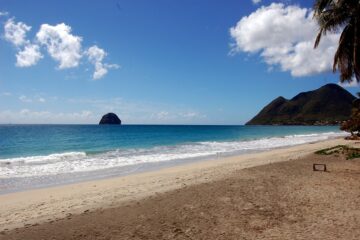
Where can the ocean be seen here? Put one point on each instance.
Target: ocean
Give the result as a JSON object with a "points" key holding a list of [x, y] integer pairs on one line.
{"points": [[33, 156]]}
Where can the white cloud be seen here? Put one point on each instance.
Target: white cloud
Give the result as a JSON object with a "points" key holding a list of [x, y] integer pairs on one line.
{"points": [[96, 56], [16, 32], [284, 36], [6, 94], [38, 109], [351, 84], [192, 115], [42, 100], [140, 112], [256, 1], [163, 115], [4, 14], [61, 45], [34, 116], [25, 99], [29, 56], [171, 116]]}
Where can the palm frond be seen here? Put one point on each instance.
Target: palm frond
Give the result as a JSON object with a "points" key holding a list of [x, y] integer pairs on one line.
{"points": [[356, 50], [333, 15], [343, 59], [318, 38], [321, 5]]}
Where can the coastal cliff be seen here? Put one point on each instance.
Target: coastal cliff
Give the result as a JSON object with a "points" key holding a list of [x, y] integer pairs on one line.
{"points": [[328, 105]]}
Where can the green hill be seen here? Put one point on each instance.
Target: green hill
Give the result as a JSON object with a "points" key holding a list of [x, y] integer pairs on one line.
{"points": [[328, 105]]}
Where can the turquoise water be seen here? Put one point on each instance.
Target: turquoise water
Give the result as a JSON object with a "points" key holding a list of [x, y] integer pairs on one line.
{"points": [[53, 153], [33, 140]]}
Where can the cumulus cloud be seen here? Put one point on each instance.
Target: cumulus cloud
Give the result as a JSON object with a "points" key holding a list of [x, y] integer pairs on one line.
{"points": [[29, 56], [59, 42], [96, 56], [61, 45], [65, 48], [256, 1], [284, 36], [16, 32]]}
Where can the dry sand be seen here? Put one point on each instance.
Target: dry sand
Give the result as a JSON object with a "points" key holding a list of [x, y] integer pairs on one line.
{"points": [[221, 199]]}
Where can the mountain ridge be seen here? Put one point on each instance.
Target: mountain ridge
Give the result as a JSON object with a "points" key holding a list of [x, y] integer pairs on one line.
{"points": [[327, 105]]}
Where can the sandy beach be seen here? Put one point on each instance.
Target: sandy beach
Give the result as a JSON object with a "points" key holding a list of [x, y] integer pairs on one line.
{"points": [[180, 120], [268, 195]]}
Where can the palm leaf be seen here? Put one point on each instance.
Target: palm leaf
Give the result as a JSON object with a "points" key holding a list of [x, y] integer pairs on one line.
{"points": [[334, 15]]}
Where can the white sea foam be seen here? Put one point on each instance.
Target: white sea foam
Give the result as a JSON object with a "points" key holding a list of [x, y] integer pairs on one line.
{"points": [[72, 162]]}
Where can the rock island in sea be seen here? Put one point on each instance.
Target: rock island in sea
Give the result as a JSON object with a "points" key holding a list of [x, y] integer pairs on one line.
{"points": [[110, 118]]}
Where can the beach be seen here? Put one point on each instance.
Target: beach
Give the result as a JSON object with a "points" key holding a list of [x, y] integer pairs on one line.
{"points": [[267, 195], [179, 120]]}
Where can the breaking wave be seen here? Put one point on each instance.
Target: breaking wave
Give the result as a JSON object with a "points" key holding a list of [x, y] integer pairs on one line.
{"points": [[72, 162]]}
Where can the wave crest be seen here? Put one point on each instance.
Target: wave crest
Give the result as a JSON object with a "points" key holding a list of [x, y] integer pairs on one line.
{"points": [[70, 162]]}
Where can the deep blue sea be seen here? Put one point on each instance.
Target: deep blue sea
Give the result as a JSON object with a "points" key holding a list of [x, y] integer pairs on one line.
{"points": [[42, 155]]}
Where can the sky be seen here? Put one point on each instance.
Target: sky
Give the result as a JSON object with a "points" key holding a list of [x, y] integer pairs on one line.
{"points": [[156, 62]]}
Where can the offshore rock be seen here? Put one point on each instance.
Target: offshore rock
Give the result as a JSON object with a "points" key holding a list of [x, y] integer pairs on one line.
{"points": [[110, 118]]}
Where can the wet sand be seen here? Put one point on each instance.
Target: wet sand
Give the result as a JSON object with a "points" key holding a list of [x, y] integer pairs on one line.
{"points": [[234, 198]]}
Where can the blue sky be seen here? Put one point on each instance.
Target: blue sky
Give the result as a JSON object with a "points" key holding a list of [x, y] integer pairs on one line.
{"points": [[162, 61]]}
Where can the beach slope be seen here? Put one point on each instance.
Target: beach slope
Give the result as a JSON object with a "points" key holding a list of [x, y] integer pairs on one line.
{"points": [[269, 195]]}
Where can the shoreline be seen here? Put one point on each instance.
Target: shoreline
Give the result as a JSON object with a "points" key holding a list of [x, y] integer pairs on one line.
{"points": [[37, 206], [19, 183]]}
